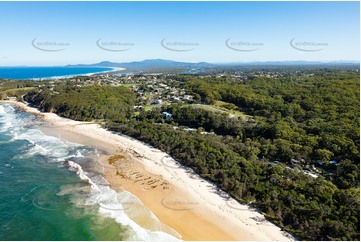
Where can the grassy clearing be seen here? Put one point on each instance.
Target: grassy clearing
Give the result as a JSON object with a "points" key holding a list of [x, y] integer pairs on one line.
{"points": [[221, 104], [13, 90], [129, 85], [219, 107], [149, 107]]}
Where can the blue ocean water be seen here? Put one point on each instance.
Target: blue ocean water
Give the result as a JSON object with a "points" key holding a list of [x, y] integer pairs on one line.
{"points": [[26, 73], [52, 189]]}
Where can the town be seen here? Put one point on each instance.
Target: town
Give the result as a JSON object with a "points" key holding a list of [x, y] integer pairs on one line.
{"points": [[157, 91]]}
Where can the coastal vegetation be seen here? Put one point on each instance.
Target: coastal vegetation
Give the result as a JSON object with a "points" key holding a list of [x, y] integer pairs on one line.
{"points": [[15, 88], [288, 146], [87, 103]]}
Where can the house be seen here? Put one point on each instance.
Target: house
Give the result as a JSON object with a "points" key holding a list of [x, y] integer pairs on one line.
{"points": [[175, 100], [318, 162], [158, 101], [274, 162], [310, 173], [166, 115], [295, 161], [188, 98]]}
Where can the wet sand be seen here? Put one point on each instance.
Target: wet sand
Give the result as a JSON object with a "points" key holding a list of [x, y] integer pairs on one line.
{"points": [[179, 198]]}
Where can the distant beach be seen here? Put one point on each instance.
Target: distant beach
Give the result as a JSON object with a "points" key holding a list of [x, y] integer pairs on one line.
{"points": [[56, 72], [191, 206]]}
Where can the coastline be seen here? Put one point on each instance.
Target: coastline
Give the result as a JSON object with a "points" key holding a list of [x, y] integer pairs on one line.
{"points": [[177, 196], [113, 70]]}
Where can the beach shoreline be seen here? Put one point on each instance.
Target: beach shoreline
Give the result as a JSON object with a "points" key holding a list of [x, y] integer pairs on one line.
{"points": [[111, 71], [179, 198]]}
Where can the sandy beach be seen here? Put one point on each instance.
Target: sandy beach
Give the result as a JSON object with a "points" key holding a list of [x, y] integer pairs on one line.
{"points": [[179, 198]]}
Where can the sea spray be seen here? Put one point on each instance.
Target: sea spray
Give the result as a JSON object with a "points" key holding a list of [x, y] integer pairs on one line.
{"points": [[109, 205], [41, 196]]}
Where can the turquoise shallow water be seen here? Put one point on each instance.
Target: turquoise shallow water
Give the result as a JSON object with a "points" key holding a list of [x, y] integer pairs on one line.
{"points": [[50, 190], [23, 73], [32, 178]]}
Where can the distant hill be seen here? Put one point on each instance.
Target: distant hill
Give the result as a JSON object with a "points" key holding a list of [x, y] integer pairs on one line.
{"points": [[169, 66], [146, 65], [286, 63]]}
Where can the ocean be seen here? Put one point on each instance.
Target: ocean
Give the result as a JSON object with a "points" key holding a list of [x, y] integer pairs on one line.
{"points": [[33, 73], [52, 189]]}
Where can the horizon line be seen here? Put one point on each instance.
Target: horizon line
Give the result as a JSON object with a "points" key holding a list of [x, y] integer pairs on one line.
{"points": [[192, 62]]}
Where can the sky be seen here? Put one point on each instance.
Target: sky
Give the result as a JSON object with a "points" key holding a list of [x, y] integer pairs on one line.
{"points": [[60, 33]]}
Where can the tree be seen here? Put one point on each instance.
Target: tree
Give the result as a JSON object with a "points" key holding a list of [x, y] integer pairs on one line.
{"points": [[324, 155]]}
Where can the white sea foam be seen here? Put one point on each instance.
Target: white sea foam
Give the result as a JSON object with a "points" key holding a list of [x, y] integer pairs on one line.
{"points": [[113, 69], [20, 128], [97, 192], [2, 110], [49, 146], [79, 154], [83, 175], [7, 115], [110, 205]]}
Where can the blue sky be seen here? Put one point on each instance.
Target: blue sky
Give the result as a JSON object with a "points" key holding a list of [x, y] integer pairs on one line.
{"points": [[191, 31]]}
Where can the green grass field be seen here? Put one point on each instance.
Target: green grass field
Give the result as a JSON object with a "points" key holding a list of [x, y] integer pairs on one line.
{"points": [[219, 107], [128, 85], [18, 89], [15, 91]]}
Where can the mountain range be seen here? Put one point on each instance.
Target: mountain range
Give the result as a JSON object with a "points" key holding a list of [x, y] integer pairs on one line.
{"points": [[162, 65], [150, 64]]}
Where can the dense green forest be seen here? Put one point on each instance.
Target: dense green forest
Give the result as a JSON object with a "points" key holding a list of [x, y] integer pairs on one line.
{"points": [[313, 118], [312, 209], [292, 124], [86, 103]]}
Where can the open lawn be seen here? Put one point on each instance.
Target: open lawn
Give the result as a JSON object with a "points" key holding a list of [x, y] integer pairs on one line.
{"points": [[14, 91], [128, 85], [219, 107]]}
